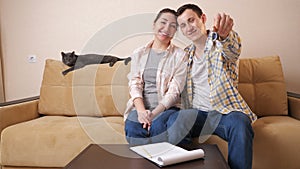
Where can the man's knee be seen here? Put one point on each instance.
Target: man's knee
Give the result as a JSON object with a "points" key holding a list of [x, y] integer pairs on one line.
{"points": [[241, 118], [242, 123]]}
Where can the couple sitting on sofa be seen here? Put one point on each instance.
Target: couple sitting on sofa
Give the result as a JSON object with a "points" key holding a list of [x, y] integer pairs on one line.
{"points": [[203, 77]]}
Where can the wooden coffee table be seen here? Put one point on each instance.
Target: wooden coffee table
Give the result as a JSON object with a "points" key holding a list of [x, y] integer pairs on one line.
{"points": [[120, 157]]}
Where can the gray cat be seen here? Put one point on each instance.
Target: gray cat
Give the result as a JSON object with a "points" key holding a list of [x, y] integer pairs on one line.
{"points": [[79, 61]]}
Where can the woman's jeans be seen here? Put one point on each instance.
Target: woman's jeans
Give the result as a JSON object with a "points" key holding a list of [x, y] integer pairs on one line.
{"points": [[137, 135], [234, 127]]}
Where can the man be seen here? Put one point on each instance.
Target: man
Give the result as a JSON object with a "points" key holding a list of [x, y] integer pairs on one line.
{"points": [[212, 86]]}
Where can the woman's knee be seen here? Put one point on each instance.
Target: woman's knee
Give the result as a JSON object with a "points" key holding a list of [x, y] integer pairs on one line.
{"points": [[133, 127]]}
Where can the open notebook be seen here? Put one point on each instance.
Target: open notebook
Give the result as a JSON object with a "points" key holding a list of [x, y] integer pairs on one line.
{"points": [[164, 153]]}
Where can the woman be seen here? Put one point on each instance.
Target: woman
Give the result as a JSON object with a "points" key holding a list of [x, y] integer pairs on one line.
{"points": [[156, 79]]}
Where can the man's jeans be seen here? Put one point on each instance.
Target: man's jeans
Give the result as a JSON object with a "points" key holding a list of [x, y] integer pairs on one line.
{"points": [[234, 127], [137, 135]]}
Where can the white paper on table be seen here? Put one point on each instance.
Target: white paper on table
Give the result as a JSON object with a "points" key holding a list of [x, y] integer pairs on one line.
{"points": [[165, 153]]}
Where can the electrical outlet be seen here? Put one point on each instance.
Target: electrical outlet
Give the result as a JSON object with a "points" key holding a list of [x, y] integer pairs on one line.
{"points": [[31, 59]]}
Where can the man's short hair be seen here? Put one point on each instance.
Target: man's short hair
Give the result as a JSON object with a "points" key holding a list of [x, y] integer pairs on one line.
{"points": [[193, 7]]}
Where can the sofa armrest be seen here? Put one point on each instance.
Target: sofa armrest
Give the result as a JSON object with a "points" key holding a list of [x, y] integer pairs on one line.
{"points": [[14, 112], [294, 105]]}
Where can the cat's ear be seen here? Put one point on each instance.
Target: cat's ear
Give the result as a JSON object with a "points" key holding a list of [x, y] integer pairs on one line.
{"points": [[73, 53], [62, 54]]}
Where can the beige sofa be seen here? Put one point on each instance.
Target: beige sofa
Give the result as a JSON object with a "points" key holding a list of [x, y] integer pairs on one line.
{"points": [[86, 107]]}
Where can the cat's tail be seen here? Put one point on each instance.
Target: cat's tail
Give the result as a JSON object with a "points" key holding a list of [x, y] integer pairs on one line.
{"points": [[127, 60]]}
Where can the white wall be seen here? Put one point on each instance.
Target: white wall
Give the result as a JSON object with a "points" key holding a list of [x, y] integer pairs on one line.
{"points": [[46, 27]]}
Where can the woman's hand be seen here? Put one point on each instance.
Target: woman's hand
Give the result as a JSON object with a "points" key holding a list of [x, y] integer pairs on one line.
{"points": [[144, 118]]}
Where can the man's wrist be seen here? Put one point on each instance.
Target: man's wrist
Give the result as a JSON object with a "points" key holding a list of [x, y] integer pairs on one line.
{"points": [[222, 39]]}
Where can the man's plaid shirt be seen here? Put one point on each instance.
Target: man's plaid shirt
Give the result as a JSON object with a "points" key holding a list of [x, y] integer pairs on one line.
{"points": [[222, 62]]}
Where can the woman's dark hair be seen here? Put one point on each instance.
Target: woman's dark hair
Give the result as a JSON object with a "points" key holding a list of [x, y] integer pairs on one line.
{"points": [[165, 10], [193, 7]]}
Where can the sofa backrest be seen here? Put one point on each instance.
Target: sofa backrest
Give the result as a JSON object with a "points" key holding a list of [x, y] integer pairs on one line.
{"points": [[95, 90], [262, 85], [100, 90]]}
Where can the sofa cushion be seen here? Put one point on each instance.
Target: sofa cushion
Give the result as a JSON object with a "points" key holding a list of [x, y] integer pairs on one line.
{"points": [[262, 85], [95, 90], [276, 142], [53, 141]]}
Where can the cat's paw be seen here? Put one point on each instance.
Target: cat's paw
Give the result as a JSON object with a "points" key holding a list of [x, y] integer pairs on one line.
{"points": [[127, 60], [64, 73], [111, 64]]}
